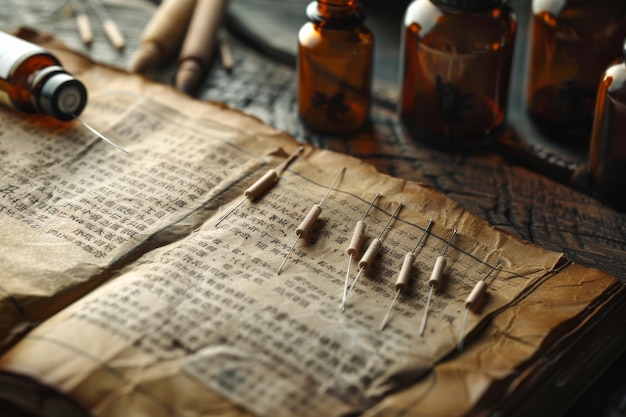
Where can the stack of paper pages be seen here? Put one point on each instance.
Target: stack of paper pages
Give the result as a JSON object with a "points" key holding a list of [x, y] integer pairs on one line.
{"points": [[120, 296]]}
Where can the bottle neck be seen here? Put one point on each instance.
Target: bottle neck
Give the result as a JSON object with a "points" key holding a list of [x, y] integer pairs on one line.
{"points": [[335, 14], [336, 8], [469, 6]]}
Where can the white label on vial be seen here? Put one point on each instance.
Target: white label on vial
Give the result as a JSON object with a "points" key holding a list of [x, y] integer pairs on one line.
{"points": [[5, 99], [11, 50]]}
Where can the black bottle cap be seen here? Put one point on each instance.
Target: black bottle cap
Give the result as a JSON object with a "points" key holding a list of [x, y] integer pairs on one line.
{"points": [[470, 5], [62, 96]]}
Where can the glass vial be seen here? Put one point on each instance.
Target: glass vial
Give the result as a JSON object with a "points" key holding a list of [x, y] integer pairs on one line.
{"points": [[572, 43], [607, 154], [455, 67], [335, 53], [32, 80]]}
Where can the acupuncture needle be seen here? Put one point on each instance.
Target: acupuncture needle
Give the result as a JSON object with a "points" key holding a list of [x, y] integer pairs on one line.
{"points": [[99, 135], [356, 242], [226, 55], [402, 282], [368, 257], [82, 22], [110, 28], [310, 219], [262, 184], [435, 280], [472, 299]]}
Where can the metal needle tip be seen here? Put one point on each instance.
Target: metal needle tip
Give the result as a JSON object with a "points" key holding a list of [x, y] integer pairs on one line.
{"points": [[100, 135]]}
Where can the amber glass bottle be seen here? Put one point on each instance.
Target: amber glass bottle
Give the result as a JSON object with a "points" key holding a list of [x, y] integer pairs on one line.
{"points": [[607, 154], [335, 51], [455, 67], [32, 80], [572, 43]]}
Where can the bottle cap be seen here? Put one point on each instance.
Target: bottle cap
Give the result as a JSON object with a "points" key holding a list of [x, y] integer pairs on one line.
{"points": [[62, 96], [470, 5]]}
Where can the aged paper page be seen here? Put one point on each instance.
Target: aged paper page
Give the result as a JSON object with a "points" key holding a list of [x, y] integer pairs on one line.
{"points": [[73, 209], [194, 319], [212, 307]]}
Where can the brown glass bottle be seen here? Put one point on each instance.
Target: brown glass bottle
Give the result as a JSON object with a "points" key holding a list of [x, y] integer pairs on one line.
{"points": [[32, 80], [572, 42], [607, 153], [335, 52], [455, 67]]}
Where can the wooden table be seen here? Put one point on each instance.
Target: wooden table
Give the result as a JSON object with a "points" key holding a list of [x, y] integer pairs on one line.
{"points": [[520, 186]]}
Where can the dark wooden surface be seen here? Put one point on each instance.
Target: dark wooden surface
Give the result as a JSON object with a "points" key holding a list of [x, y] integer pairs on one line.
{"points": [[525, 196]]}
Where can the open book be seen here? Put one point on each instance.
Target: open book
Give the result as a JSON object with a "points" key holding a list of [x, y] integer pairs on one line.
{"points": [[121, 296]]}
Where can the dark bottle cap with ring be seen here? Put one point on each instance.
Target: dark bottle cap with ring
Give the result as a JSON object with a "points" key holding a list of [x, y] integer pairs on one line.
{"points": [[470, 5], [62, 96]]}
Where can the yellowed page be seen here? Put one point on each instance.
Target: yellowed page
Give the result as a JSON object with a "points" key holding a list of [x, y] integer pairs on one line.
{"points": [[74, 209], [211, 306], [194, 319]]}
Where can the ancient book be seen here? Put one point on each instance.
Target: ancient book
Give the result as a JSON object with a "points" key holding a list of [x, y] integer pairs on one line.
{"points": [[123, 294]]}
